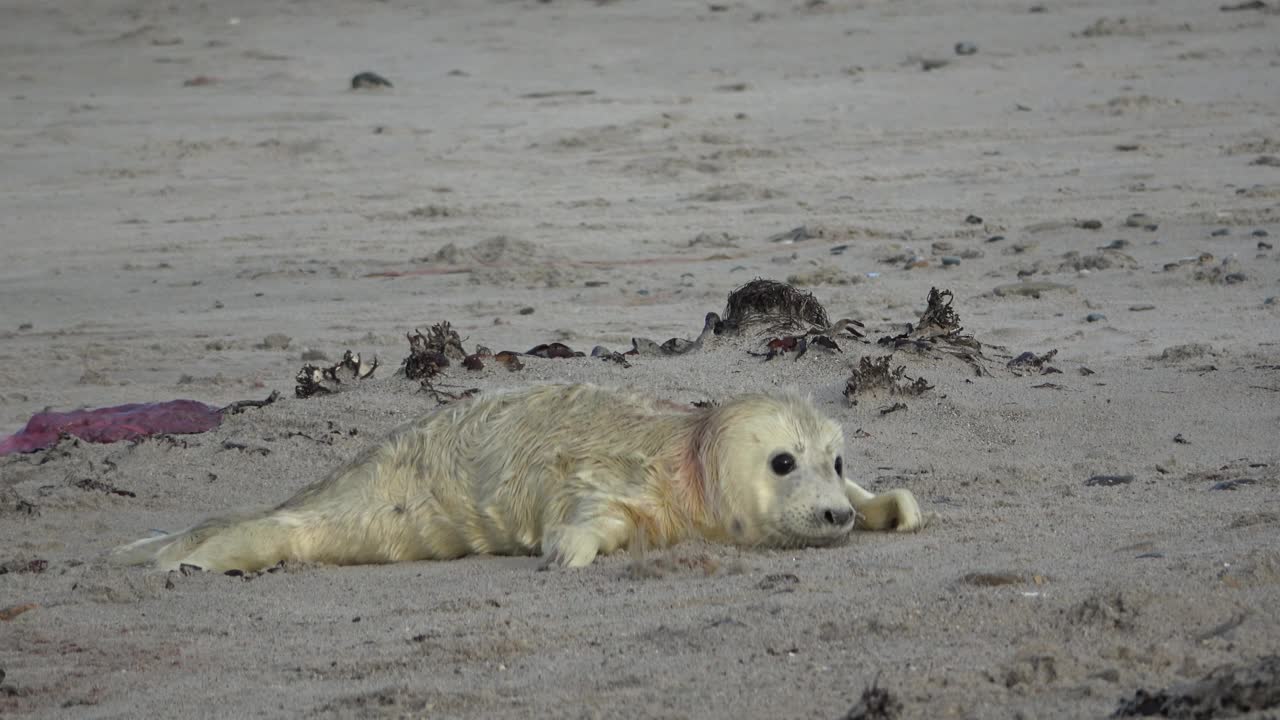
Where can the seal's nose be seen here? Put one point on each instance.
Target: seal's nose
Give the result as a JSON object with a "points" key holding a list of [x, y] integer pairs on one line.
{"points": [[837, 517]]}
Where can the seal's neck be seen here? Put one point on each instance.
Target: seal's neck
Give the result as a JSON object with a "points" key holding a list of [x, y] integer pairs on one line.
{"points": [[687, 499]]}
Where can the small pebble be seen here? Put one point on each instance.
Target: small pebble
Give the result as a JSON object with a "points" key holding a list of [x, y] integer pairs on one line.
{"points": [[1151, 228], [1270, 301], [995, 238], [1118, 244], [948, 260], [973, 220], [966, 48], [1090, 225], [1141, 308], [838, 249], [1233, 278], [25, 326], [1138, 220], [526, 311], [1259, 233], [1095, 317], [1220, 232]]}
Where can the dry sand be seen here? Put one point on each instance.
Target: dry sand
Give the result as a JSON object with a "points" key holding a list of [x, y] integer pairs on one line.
{"points": [[154, 233]]}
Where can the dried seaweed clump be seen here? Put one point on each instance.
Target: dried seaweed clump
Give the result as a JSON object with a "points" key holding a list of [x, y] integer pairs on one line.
{"points": [[1227, 691], [940, 321], [778, 306], [1029, 363], [939, 330], [312, 380], [876, 703], [430, 353], [875, 375]]}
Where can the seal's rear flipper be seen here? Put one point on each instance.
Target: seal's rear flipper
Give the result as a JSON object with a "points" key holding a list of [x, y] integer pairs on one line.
{"points": [[162, 551], [247, 542]]}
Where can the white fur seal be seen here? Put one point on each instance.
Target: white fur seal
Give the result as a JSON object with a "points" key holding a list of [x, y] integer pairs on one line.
{"points": [[566, 471]]}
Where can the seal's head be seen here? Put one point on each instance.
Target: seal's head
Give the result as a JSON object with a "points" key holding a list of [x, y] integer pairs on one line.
{"points": [[774, 471]]}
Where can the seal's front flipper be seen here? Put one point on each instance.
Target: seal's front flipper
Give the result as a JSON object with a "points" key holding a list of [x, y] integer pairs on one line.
{"points": [[892, 510], [573, 546], [599, 525]]}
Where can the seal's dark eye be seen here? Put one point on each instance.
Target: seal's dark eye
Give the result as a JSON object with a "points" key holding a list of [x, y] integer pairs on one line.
{"points": [[840, 467], [783, 463]]}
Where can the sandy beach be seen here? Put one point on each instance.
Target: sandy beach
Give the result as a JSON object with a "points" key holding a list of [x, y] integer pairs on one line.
{"points": [[195, 203]]}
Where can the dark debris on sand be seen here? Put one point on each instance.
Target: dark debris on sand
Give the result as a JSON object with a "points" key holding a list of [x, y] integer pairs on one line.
{"points": [[1029, 363], [443, 395], [312, 380], [676, 346], [431, 353], [876, 375], [817, 337], [240, 406], [939, 331], [876, 703], [1227, 691], [769, 308], [369, 81], [778, 306], [554, 350]]}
